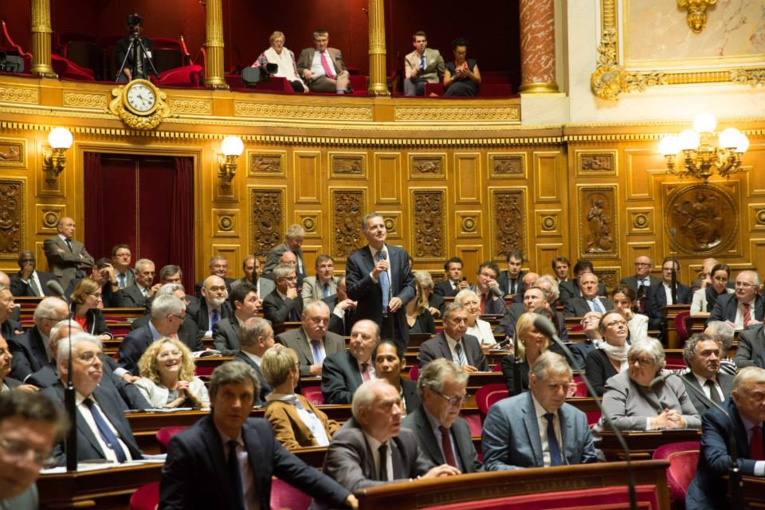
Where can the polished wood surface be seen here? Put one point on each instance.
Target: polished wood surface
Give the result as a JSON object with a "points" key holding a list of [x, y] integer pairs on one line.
{"points": [[642, 444]]}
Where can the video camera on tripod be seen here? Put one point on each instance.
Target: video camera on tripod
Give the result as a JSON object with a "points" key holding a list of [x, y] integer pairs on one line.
{"points": [[137, 61]]}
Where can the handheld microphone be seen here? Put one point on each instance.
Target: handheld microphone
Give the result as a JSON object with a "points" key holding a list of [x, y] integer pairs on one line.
{"points": [[496, 291], [56, 288]]}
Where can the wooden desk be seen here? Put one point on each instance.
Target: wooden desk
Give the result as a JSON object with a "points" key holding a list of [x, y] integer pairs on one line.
{"points": [[480, 379], [754, 492], [475, 487], [642, 444]]}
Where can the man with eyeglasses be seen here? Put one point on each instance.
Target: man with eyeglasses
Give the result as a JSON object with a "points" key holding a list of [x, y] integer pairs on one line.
{"points": [[538, 428], [590, 301], [188, 333], [663, 295], [312, 342], [591, 329], [454, 344], [285, 303], [488, 290], [9, 328], [442, 435], [213, 305], [29, 427], [218, 267], [743, 308], [642, 281], [33, 350]]}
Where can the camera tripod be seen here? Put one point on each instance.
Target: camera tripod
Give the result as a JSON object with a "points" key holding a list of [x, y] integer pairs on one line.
{"points": [[140, 58]]}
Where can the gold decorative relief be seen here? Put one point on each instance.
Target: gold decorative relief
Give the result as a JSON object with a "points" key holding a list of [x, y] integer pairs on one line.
{"points": [[191, 107], [748, 76], [266, 219], [311, 222], [245, 109], [80, 100], [12, 153], [701, 219], [428, 225], [265, 163], [598, 235], [508, 114], [348, 207], [610, 277], [12, 218], [19, 95], [596, 163], [426, 166], [507, 165], [346, 166], [227, 222], [509, 227], [697, 13], [640, 220], [143, 110]]}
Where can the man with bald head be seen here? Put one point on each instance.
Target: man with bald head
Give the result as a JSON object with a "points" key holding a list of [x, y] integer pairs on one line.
{"points": [[32, 350], [29, 282], [743, 308], [642, 281], [590, 300], [67, 258], [213, 306], [312, 341]]}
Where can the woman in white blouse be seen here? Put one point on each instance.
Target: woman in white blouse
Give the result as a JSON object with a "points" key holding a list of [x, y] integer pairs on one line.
{"points": [[625, 302], [167, 376], [284, 60], [477, 327]]}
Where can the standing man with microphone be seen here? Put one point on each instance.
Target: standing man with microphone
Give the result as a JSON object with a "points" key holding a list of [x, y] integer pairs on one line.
{"points": [[379, 279]]}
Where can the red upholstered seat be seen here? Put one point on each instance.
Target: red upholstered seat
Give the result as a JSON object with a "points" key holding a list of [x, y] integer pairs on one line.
{"points": [[11, 48], [284, 495], [682, 459], [414, 372], [581, 388], [682, 329], [204, 371], [165, 434], [434, 88], [68, 70], [488, 394], [145, 497], [313, 394]]}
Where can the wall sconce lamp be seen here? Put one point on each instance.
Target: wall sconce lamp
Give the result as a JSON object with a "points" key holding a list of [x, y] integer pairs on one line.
{"points": [[54, 160], [232, 147]]}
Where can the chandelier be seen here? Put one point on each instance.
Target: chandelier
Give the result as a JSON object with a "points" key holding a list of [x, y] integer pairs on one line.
{"points": [[698, 154]]}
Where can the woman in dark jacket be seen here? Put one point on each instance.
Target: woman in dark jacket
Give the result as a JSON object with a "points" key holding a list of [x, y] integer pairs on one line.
{"points": [[87, 312]]}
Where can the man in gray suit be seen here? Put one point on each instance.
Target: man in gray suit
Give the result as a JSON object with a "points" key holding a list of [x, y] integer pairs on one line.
{"points": [[442, 435], [246, 305], [67, 258], [372, 449], [322, 67], [538, 428], [29, 423], [324, 284], [312, 341], [702, 354], [590, 300], [423, 65], [453, 344], [293, 241]]}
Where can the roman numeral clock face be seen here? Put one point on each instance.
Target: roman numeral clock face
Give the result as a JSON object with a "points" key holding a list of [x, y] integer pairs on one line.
{"points": [[141, 98]]}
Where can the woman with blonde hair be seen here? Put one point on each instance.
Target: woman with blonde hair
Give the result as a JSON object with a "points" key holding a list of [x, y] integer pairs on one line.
{"points": [[419, 316], [167, 377], [87, 310], [529, 345]]}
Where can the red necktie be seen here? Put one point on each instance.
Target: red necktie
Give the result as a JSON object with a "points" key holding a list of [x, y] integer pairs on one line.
{"points": [[747, 314], [755, 444], [364, 373], [325, 64], [483, 303], [446, 443]]}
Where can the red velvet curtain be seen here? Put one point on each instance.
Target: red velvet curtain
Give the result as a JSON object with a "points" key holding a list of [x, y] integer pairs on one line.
{"points": [[95, 223], [182, 220]]}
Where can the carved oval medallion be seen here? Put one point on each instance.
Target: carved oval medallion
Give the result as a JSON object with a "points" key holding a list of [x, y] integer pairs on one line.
{"points": [[701, 219]]}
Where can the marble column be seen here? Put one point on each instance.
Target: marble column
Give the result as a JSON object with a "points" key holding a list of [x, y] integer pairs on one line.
{"points": [[378, 80], [537, 46], [214, 77], [41, 34]]}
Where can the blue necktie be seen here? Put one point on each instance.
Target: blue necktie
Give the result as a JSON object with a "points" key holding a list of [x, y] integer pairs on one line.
{"points": [[597, 306], [552, 441], [384, 285], [460, 354], [236, 476], [325, 291], [316, 350], [422, 62], [215, 318], [106, 432]]}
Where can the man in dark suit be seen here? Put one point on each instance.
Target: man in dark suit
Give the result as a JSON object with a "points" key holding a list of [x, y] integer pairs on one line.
{"points": [[661, 295], [246, 304], [29, 282], [744, 307], [389, 363], [702, 354], [453, 344], [376, 426], [67, 258], [218, 267], [441, 434], [590, 300], [285, 303], [538, 428], [741, 417], [751, 347], [312, 342], [343, 308], [511, 280], [560, 266], [570, 289], [256, 336], [343, 372], [121, 258], [454, 281], [100, 410], [103, 274], [293, 242], [227, 447], [322, 68], [379, 279], [213, 305], [144, 288], [9, 328], [32, 350], [642, 282], [488, 290]]}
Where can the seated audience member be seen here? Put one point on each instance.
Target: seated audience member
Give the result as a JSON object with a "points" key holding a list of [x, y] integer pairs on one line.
{"points": [[661, 295], [389, 363], [246, 304], [103, 274], [213, 305], [322, 67], [589, 301], [592, 338], [560, 267], [188, 333], [121, 257], [6, 361], [477, 327], [453, 344], [454, 282], [528, 281], [135, 296], [741, 417], [751, 347], [342, 308], [610, 357], [376, 427], [442, 435], [28, 424], [228, 432], [704, 276], [724, 333], [285, 303], [293, 243], [538, 428], [167, 316], [423, 65], [345, 371], [418, 312], [511, 281], [256, 337], [625, 303], [743, 308], [312, 342], [296, 422], [529, 345], [705, 299], [253, 274], [570, 288], [533, 298], [705, 383], [324, 284], [100, 410], [33, 350], [283, 59], [435, 302], [167, 376], [547, 283], [461, 77], [642, 398], [87, 299], [29, 282], [9, 328], [218, 267], [642, 281], [488, 291]]}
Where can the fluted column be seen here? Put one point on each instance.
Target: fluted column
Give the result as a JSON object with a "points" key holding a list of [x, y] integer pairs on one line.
{"points": [[538, 46], [41, 33], [378, 80], [214, 77]]}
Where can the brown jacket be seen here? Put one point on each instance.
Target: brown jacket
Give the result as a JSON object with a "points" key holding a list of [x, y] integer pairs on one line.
{"points": [[290, 429]]}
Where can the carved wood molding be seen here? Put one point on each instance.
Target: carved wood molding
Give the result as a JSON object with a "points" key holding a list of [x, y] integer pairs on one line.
{"points": [[267, 222], [12, 218], [428, 224], [348, 207], [509, 229]]}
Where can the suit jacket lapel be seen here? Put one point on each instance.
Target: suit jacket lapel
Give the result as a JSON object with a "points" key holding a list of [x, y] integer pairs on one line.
{"points": [[397, 459], [567, 432], [84, 429], [214, 447], [305, 349], [254, 452], [531, 424], [430, 443], [444, 344]]}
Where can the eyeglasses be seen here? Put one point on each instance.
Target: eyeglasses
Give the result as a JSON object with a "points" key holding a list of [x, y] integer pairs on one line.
{"points": [[177, 316], [20, 450], [89, 356], [642, 264], [454, 401], [745, 285], [643, 362]]}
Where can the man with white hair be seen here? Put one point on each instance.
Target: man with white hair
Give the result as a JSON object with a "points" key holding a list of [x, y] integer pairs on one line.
{"points": [[188, 333], [213, 305], [135, 296], [723, 333], [743, 308], [312, 342], [293, 242], [32, 350], [218, 267]]}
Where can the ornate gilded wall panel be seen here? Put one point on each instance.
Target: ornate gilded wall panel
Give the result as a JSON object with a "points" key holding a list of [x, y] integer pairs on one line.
{"points": [[472, 255], [46, 218], [311, 221], [754, 178], [756, 216], [428, 226], [388, 178], [610, 276], [547, 166], [348, 165], [23, 95], [307, 177], [467, 224], [467, 169], [267, 219], [13, 219], [636, 249], [596, 162], [13, 153], [427, 166], [395, 225], [701, 220], [232, 253], [598, 226], [226, 222], [266, 164], [347, 207], [548, 222], [508, 230], [642, 167], [640, 221], [545, 254], [508, 165]]}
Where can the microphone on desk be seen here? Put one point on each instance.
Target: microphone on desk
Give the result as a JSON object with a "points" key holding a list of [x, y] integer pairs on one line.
{"points": [[496, 291], [546, 327], [56, 288]]}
